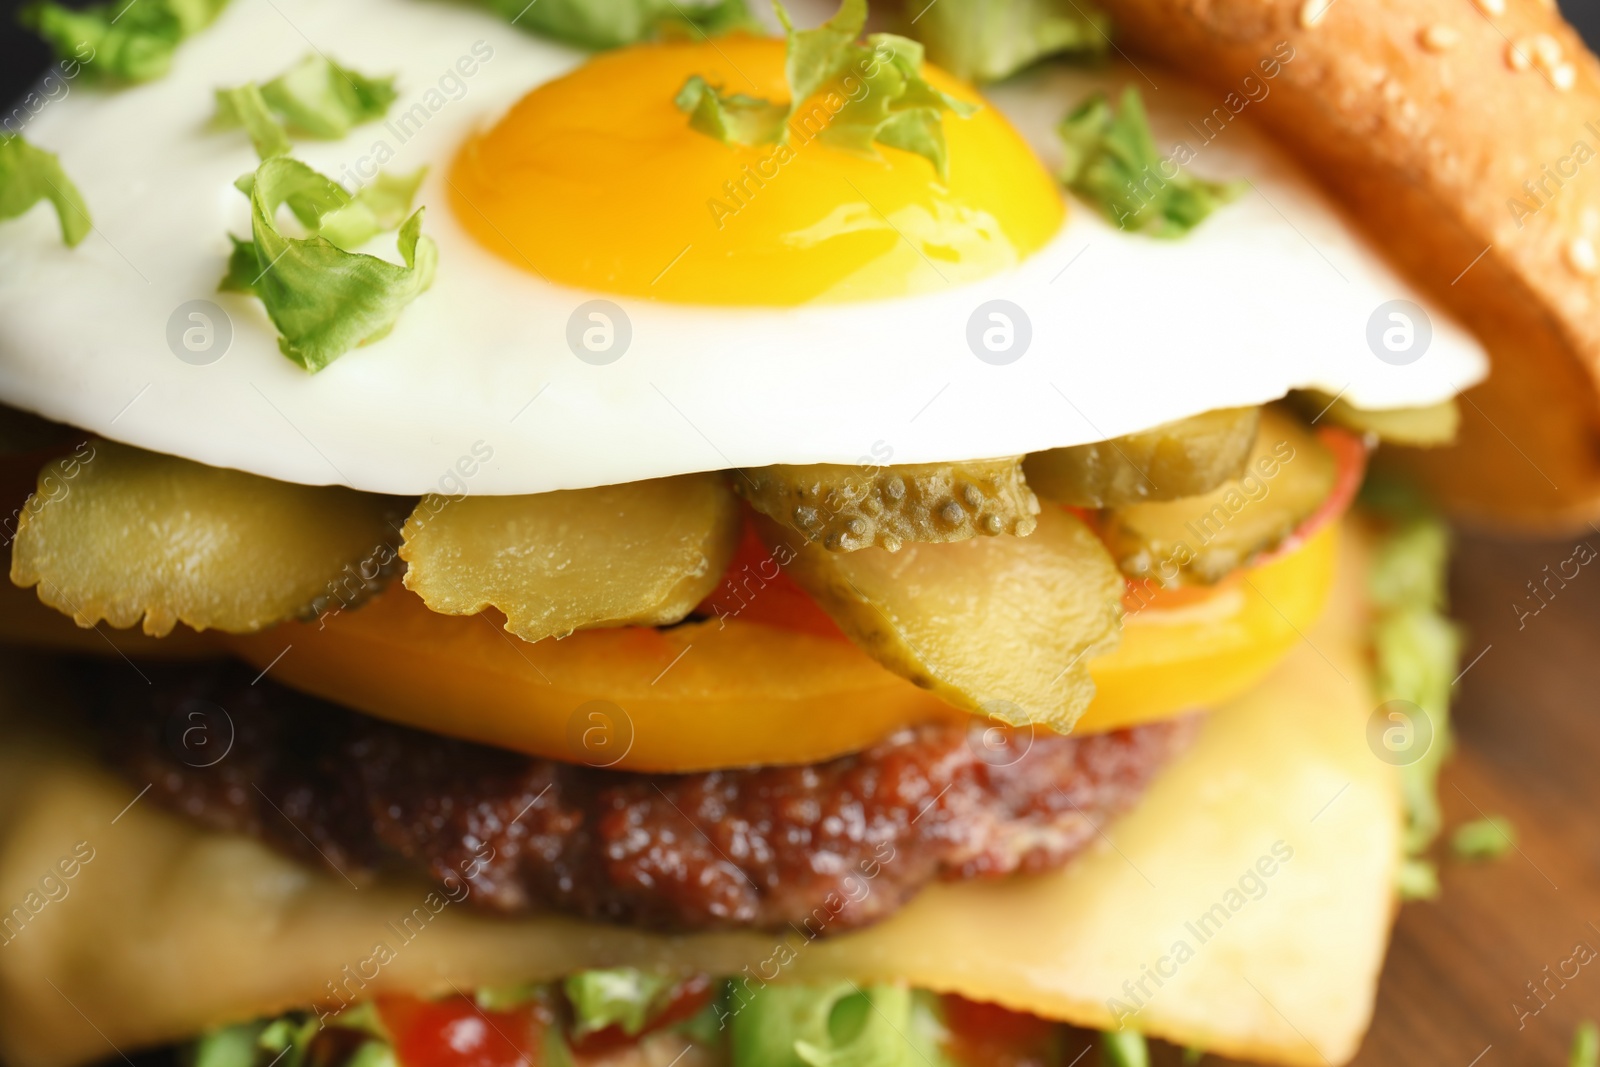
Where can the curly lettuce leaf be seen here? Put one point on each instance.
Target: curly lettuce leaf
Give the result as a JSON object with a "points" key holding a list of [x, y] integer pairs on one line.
{"points": [[625, 997], [122, 41], [1416, 647], [884, 99], [245, 106], [1112, 162], [838, 1025], [730, 118], [323, 298], [29, 175], [600, 24], [987, 40], [316, 97]]}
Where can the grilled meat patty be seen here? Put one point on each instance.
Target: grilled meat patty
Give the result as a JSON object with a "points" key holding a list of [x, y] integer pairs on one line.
{"points": [[824, 847]]}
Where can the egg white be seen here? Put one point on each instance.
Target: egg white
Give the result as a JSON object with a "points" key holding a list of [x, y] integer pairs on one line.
{"points": [[1274, 292]]}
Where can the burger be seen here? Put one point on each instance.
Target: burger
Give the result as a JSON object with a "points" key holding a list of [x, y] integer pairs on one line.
{"points": [[655, 533]]}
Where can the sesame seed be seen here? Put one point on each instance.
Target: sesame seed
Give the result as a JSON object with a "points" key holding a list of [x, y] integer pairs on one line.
{"points": [[1547, 50], [1311, 12], [1564, 77], [1581, 256], [1440, 38], [1518, 56], [1491, 7]]}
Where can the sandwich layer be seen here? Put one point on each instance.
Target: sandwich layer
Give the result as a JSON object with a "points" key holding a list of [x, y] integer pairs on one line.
{"points": [[760, 848], [1243, 906], [478, 387]]}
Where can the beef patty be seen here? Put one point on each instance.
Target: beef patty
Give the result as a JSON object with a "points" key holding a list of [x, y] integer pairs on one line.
{"points": [[828, 846]]}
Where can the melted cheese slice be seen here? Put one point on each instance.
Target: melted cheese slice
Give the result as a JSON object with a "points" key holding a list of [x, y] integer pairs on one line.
{"points": [[168, 930]]}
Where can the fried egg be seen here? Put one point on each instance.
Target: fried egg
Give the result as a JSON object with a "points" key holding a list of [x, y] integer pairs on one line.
{"points": [[621, 297]]}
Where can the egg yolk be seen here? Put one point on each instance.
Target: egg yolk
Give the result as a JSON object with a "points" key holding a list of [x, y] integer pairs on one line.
{"points": [[596, 180]]}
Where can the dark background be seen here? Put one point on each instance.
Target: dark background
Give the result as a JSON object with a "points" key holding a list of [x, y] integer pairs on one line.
{"points": [[1529, 748]]}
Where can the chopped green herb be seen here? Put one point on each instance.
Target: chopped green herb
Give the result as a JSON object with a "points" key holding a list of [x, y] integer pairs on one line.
{"points": [[29, 175], [877, 94], [614, 23], [1585, 1046], [1417, 879], [1124, 1048], [620, 996], [121, 41], [1484, 839], [324, 299], [316, 97], [1112, 162], [986, 40]]}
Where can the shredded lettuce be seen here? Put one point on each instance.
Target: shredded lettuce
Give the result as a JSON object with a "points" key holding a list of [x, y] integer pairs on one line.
{"points": [[837, 1025], [286, 1041], [1124, 1048], [323, 298], [1112, 162], [621, 996], [316, 97], [614, 23], [29, 175], [1585, 1051], [987, 40], [122, 41], [733, 118], [1416, 647], [1484, 839], [877, 94]]}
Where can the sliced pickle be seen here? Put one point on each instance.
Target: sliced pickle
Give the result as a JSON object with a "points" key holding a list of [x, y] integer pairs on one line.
{"points": [[845, 508], [640, 554], [1176, 459], [118, 533], [1423, 427], [998, 626], [1204, 538]]}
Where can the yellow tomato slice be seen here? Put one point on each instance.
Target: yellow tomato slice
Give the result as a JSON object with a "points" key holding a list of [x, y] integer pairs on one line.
{"points": [[1209, 651], [731, 693]]}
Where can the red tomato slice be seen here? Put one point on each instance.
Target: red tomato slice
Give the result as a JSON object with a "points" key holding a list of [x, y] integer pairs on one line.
{"points": [[756, 589], [691, 995], [457, 1033], [987, 1035]]}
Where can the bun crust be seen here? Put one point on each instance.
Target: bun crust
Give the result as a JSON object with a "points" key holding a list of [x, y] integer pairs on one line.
{"points": [[1464, 137]]}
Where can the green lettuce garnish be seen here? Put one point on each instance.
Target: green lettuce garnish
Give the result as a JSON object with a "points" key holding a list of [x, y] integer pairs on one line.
{"points": [[316, 98], [1484, 839], [838, 1025], [124, 41], [614, 23], [877, 94], [29, 175], [620, 996], [1111, 161], [986, 40], [1416, 646], [324, 298], [286, 1041], [1124, 1048]]}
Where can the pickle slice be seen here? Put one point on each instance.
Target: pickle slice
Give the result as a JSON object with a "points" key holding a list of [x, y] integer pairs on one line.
{"points": [[1204, 538], [640, 554], [845, 508], [1423, 427], [1174, 460], [998, 626], [118, 533]]}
